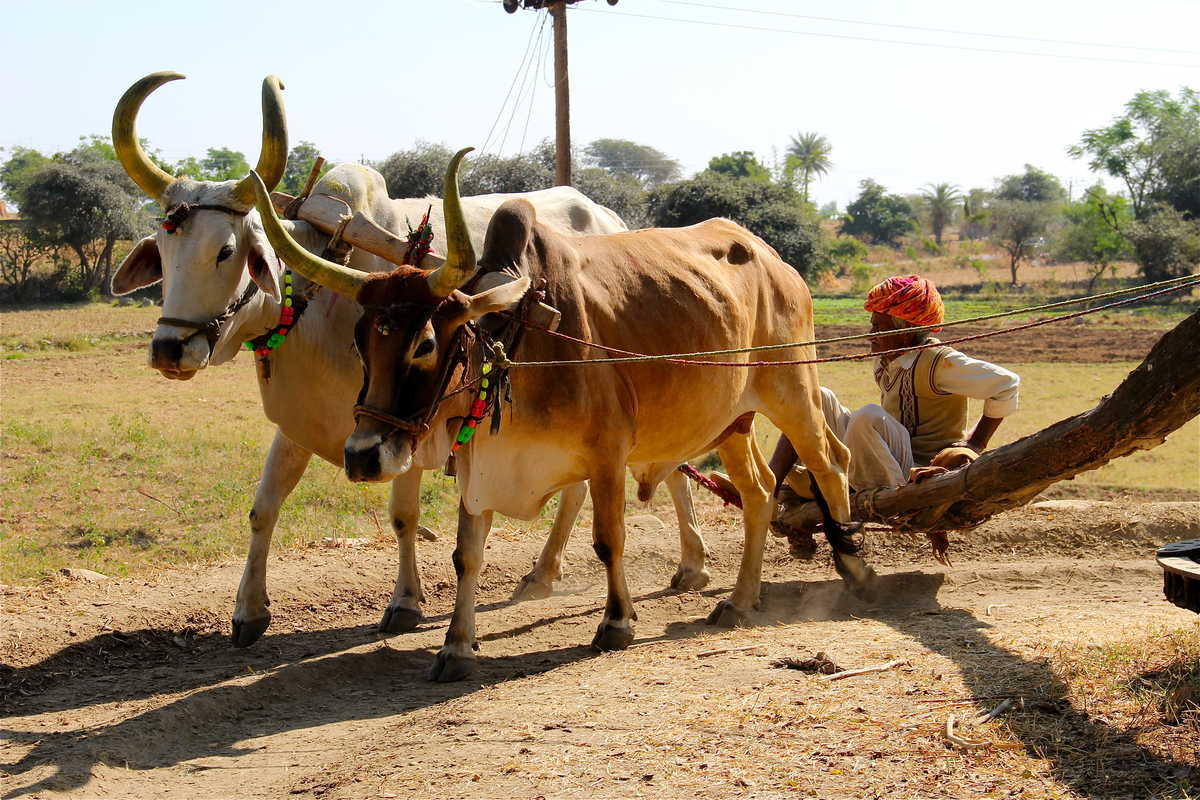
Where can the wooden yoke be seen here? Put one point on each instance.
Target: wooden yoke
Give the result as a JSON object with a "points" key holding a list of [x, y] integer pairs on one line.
{"points": [[325, 213]]}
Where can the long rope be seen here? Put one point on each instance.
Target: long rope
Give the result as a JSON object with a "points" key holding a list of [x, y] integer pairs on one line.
{"points": [[1172, 285]]}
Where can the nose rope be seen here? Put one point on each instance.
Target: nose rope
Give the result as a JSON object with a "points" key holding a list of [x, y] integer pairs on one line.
{"points": [[212, 328]]}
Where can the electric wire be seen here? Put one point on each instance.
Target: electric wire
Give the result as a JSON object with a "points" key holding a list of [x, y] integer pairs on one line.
{"points": [[533, 29], [696, 4], [525, 80], [847, 37]]}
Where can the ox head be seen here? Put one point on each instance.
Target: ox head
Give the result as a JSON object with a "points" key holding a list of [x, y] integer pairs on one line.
{"points": [[408, 335], [210, 247]]}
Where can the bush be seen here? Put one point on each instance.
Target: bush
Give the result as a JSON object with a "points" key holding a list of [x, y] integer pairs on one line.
{"points": [[771, 211], [1166, 243], [620, 192], [877, 217], [844, 252]]}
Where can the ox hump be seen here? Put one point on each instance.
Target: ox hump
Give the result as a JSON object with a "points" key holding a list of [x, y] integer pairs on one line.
{"points": [[509, 232]]}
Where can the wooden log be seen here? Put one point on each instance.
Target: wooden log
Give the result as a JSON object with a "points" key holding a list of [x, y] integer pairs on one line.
{"points": [[325, 212], [1157, 398]]}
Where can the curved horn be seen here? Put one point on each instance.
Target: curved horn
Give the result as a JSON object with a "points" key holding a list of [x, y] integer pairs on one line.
{"points": [[145, 173], [343, 280], [460, 256], [272, 158]]}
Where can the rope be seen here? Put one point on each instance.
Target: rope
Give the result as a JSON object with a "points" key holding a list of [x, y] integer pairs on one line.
{"points": [[1173, 285]]}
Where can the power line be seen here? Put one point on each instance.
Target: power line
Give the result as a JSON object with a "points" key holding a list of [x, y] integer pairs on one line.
{"points": [[760, 28], [525, 79], [533, 86], [929, 30], [535, 28]]}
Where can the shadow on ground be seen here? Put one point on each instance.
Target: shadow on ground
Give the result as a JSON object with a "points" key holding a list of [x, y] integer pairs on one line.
{"points": [[313, 680]]}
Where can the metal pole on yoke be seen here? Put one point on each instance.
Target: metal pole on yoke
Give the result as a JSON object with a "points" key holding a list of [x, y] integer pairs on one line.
{"points": [[562, 91]]}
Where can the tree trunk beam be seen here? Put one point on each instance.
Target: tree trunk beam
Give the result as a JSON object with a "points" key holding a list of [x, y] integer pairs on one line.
{"points": [[1154, 400]]}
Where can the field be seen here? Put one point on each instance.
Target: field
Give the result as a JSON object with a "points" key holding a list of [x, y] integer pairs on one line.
{"points": [[126, 686]]}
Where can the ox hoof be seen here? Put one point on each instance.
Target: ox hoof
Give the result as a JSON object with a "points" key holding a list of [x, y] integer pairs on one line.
{"points": [[690, 580], [857, 576], [727, 615], [531, 589], [246, 631], [610, 637], [398, 619], [450, 667]]}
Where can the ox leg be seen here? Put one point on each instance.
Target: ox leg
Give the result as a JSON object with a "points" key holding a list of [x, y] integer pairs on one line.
{"points": [[456, 660], [286, 462], [539, 582], [608, 540], [404, 611], [692, 576], [828, 461], [751, 474]]}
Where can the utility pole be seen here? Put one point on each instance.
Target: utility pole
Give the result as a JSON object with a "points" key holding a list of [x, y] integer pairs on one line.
{"points": [[562, 98], [562, 91]]}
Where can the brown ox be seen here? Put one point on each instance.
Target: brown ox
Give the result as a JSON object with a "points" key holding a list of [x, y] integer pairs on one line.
{"points": [[710, 286]]}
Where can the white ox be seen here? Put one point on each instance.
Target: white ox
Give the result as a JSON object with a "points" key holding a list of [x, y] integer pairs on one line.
{"points": [[218, 255]]}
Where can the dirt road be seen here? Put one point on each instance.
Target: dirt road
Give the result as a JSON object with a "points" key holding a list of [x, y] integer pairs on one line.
{"points": [[128, 687]]}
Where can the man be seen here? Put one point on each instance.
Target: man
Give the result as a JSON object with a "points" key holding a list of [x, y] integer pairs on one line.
{"points": [[920, 424]]}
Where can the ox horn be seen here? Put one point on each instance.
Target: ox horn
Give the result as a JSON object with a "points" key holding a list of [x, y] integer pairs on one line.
{"points": [[460, 256], [272, 158], [343, 280], [145, 173]]}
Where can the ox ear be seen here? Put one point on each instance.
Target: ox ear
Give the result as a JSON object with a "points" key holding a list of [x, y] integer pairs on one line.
{"points": [[142, 267], [264, 266], [501, 298]]}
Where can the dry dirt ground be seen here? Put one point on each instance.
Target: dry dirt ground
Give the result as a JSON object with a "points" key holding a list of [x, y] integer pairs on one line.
{"points": [[128, 687]]}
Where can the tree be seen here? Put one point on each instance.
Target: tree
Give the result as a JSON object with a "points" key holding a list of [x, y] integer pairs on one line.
{"points": [[1093, 232], [623, 157], [86, 208], [771, 211], [223, 164], [741, 164], [19, 256], [976, 216], [1017, 227], [299, 165], [1154, 148], [941, 201], [1033, 185], [877, 216], [807, 154], [490, 174], [416, 172], [16, 173], [1023, 209]]}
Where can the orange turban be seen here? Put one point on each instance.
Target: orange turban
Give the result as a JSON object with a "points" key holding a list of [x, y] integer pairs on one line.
{"points": [[910, 298]]}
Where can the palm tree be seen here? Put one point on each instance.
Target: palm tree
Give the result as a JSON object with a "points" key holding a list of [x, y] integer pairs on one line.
{"points": [[808, 153], [942, 199]]}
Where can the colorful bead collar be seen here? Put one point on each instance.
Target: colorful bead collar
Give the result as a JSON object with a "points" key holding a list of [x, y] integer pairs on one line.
{"points": [[272, 339], [478, 411]]}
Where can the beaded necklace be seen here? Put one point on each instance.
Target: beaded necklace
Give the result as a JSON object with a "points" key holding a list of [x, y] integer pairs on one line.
{"points": [[263, 345], [478, 411]]}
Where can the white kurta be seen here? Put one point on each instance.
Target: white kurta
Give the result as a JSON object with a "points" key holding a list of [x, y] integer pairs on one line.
{"points": [[880, 446]]}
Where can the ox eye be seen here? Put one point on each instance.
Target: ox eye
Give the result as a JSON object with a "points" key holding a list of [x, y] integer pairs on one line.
{"points": [[424, 348], [225, 252]]}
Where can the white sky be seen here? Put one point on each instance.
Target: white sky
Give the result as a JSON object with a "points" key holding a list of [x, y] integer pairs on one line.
{"points": [[367, 78]]}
